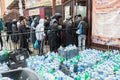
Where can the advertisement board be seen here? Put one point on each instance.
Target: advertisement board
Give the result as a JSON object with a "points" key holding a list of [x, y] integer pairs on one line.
{"points": [[105, 22], [37, 3], [34, 12]]}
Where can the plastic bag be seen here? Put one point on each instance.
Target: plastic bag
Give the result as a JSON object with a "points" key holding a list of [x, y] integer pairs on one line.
{"points": [[36, 44], [79, 31]]}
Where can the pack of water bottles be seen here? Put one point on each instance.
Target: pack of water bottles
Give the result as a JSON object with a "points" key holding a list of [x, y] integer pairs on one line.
{"points": [[4, 67], [6, 78], [89, 64], [98, 65], [3, 57], [48, 66], [68, 52]]}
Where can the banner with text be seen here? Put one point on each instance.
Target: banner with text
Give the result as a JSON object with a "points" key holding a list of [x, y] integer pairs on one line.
{"points": [[37, 3], [105, 22], [34, 12]]}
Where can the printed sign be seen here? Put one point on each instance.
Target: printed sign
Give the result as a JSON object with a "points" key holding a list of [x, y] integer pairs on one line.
{"points": [[37, 3], [34, 12], [105, 22]]}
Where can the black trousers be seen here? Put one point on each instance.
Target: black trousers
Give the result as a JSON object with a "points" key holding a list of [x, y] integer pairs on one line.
{"points": [[1, 40], [8, 36], [24, 44]]}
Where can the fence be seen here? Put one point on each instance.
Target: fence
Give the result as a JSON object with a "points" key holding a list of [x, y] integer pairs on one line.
{"points": [[11, 46]]}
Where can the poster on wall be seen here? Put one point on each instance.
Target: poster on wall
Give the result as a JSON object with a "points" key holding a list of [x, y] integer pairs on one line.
{"points": [[37, 3], [34, 12], [105, 22]]}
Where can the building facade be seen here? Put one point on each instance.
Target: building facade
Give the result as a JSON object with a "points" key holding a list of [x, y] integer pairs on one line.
{"points": [[42, 8], [3, 7], [74, 7], [15, 9]]}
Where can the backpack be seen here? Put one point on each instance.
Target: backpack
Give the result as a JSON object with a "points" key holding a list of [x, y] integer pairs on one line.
{"points": [[79, 30]]}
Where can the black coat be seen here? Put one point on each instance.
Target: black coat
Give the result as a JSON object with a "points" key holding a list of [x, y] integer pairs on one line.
{"points": [[76, 23], [23, 36], [8, 25], [63, 40], [68, 35], [14, 36], [47, 25], [84, 27], [53, 38]]}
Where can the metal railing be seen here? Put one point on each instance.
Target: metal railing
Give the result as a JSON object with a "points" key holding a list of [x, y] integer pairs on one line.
{"points": [[12, 46]]}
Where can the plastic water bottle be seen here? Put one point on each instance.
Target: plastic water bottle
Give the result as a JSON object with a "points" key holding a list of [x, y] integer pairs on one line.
{"points": [[89, 58], [5, 67], [0, 76]]}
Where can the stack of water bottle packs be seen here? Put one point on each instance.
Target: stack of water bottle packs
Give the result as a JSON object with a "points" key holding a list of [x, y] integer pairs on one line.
{"points": [[89, 64], [68, 52]]}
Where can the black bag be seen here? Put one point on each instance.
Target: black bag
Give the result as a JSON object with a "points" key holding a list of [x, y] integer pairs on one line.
{"points": [[17, 58], [18, 55], [12, 65]]}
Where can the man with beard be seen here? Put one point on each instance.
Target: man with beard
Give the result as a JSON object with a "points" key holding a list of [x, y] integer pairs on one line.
{"points": [[23, 35]]}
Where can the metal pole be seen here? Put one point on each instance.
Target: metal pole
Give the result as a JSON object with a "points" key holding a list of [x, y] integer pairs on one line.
{"points": [[76, 7], [73, 9], [53, 7]]}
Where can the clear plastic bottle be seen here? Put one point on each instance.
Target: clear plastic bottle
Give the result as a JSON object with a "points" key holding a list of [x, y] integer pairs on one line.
{"points": [[0, 76]]}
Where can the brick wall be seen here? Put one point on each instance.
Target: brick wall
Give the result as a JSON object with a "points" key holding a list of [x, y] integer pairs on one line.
{"points": [[13, 14]]}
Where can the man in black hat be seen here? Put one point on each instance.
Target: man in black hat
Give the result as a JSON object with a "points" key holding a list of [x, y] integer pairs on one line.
{"points": [[53, 37], [23, 34], [67, 35]]}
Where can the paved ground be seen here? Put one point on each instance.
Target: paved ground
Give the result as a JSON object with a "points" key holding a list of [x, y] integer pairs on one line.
{"points": [[46, 50], [11, 46]]}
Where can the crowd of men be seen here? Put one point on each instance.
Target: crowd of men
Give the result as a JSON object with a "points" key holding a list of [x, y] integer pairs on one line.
{"points": [[48, 31]]}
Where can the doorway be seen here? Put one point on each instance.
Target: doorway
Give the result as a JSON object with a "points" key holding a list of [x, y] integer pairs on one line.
{"points": [[74, 7], [80, 7]]}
